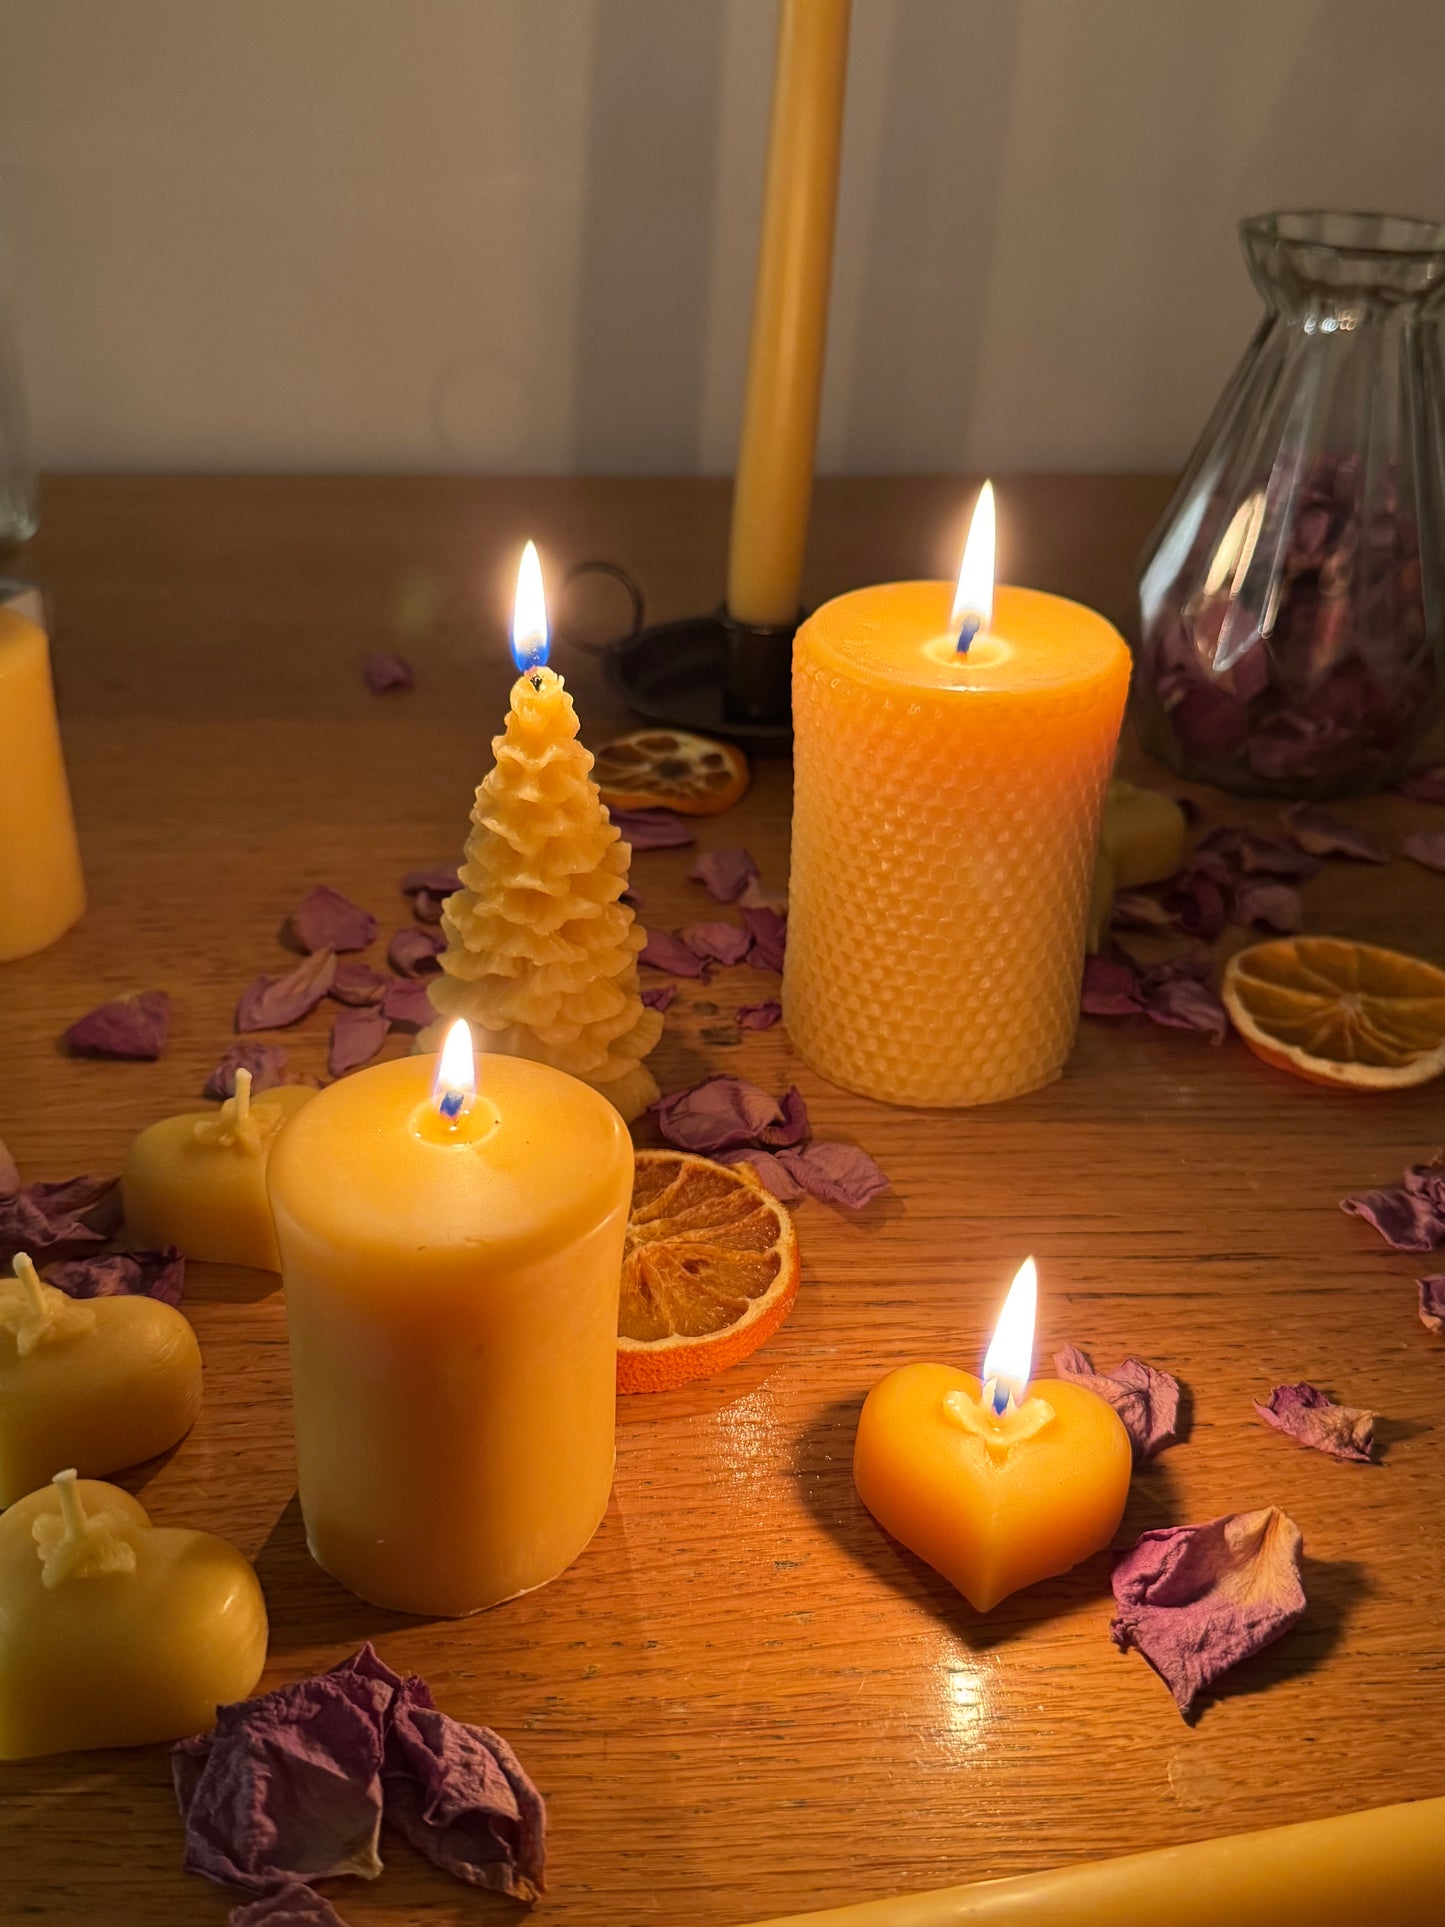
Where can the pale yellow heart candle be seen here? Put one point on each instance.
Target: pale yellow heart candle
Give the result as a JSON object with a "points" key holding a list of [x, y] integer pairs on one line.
{"points": [[945, 820]]}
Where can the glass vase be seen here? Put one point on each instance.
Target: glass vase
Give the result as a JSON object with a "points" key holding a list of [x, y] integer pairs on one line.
{"points": [[17, 478], [1292, 599]]}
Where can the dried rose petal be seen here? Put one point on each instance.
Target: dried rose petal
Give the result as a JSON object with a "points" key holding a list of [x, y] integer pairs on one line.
{"points": [[52, 1219], [1196, 1600], [270, 1003], [837, 1173], [755, 897], [760, 1016], [719, 1114], [1408, 1216], [286, 1787], [9, 1173], [434, 883], [123, 1274], [1304, 1413], [385, 670], [1325, 835], [326, 920], [653, 829], [1426, 847], [664, 950], [1432, 1301], [413, 952], [1136, 910], [1110, 988], [290, 1906], [1268, 905], [1146, 1399], [716, 942], [769, 1170], [357, 983], [408, 1005], [265, 1062], [659, 998], [426, 908], [791, 1127], [769, 933], [356, 1037], [131, 1027], [1198, 897], [1181, 1003], [1425, 786], [724, 873]]}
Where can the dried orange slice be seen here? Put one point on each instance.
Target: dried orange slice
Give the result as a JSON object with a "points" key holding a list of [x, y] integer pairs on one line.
{"points": [[709, 1272], [669, 767], [1339, 1013]]}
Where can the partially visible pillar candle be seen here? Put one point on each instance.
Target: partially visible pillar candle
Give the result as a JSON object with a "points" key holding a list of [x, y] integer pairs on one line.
{"points": [[790, 315], [42, 891], [1387, 1865]]}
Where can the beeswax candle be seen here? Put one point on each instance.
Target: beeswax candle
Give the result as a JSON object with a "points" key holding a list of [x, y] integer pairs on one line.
{"points": [[945, 821], [997, 1483], [98, 1385], [452, 1264], [115, 1632], [198, 1181], [42, 891]]}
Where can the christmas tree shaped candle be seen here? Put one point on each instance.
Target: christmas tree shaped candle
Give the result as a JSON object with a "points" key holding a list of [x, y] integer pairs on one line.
{"points": [[541, 953]]}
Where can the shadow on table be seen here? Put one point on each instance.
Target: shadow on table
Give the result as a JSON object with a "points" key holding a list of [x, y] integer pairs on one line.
{"points": [[824, 1471], [306, 1606], [1333, 1588]]}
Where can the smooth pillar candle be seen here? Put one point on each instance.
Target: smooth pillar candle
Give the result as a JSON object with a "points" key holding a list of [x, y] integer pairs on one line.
{"points": [[945, 820], [1387, 1865], [115, 1632], [790, 316], [42, 890], [451, 1292]]}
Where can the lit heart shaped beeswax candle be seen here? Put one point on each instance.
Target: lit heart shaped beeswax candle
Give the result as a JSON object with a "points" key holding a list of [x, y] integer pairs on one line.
{"points": [[98, 1385], [115, 1632], [996, 1484]]}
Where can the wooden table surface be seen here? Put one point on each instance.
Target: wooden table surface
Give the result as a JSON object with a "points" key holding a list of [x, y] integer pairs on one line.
{"points": [[743, 1699]]}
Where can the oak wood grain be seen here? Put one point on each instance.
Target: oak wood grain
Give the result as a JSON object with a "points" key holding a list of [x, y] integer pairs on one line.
{"points": [[743, 1699]]}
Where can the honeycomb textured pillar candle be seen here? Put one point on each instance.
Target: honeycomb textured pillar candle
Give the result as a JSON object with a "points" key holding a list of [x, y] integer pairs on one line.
{"points": [[451, 1292], [42, 891], [945, 820], [541, 954]]}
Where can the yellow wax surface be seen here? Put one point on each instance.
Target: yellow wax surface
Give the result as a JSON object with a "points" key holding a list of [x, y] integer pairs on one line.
{"points": [[998, 1503], [452, 1302], [790, 315], [1143, 835], [42, 890], [1386, 1865], [141, 1647], [107, 1383], [945, 822], [184, 1186]]}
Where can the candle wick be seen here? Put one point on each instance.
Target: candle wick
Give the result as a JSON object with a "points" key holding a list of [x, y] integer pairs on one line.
{"points": [[24, 1268], [997, 1398], [450, 1103], [242, 1098], [967, 630], [536, 680], [72, 1513]]}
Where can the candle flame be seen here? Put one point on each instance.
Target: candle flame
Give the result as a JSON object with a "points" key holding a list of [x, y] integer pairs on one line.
{"points": [[1010, 1357], [529, 613], [455, 1084], [973, 598]]}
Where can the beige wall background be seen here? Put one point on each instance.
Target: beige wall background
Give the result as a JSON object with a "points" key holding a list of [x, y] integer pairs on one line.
{"points": [[518, 234]]}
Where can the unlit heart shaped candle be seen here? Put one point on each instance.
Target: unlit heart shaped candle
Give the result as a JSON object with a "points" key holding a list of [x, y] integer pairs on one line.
{"points": [[198, 1181], [999, 1483], [115, 1632], [98, 1385]]}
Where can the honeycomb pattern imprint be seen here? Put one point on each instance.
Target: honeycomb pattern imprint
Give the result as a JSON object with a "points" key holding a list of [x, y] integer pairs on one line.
{"points": [[942, 854]]}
